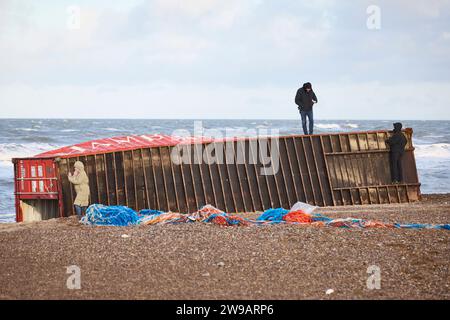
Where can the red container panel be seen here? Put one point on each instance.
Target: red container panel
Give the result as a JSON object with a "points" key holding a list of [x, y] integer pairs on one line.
{"points": [[36, 177]]}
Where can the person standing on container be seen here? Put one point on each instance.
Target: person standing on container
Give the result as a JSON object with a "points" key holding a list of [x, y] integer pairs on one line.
{"points": [[305, 99], [396, 143], [80, 181]]}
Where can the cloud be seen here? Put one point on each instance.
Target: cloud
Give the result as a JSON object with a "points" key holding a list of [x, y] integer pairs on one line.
{"points": [[297, 39], [370, 100], [194, 8], [222, 56], [424, 8], [207, 13]]}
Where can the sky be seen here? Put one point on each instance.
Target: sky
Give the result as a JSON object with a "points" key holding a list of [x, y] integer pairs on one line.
{"points": [[224, 59]]}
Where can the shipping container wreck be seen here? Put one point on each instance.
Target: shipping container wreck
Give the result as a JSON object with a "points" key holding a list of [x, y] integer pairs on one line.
{"points": [[145, 171]]}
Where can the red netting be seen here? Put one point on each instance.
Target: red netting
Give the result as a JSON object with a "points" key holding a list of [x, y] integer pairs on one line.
{"points": [[297, 216]]}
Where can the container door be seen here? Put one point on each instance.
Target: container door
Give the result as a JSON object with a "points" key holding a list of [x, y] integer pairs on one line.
{"points": [[37, 179], [37, 191]]}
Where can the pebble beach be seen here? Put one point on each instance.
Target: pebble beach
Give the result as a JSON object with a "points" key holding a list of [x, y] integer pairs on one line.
{"points": [[203, 261]]}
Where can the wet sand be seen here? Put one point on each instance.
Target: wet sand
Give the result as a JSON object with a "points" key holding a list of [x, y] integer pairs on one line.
{"points": [[203, 261]]}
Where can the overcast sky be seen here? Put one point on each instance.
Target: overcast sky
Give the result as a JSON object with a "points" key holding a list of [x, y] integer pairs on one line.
{"points": [[224, 58]]}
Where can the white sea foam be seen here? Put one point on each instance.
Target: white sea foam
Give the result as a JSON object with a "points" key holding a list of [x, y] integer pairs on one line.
{"points": [[17, 150], [433, 136], [336, 126], [115, 129], [328, 126], [436, 150], [7, 218], [27, 129], [69, 130]]}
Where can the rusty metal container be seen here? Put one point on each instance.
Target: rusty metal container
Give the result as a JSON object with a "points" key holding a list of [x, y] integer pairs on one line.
{"points": [[148, 171]]}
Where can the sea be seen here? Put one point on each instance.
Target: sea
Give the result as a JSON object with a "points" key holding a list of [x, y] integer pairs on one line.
{"points": [[28, 137]]}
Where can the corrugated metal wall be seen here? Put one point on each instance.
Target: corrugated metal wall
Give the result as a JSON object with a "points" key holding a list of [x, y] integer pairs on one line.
{"points": [[359, 173], [325, 170]]}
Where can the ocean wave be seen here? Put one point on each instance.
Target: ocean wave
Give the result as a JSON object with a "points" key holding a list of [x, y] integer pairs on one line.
{"points": [[27, 129], [118, 130], [17, 150], [433, 136], [351, 125], [69, 130], [7, 215], [336, 126], [327, 126], [36, 139], [435, 150], [7, 218]]}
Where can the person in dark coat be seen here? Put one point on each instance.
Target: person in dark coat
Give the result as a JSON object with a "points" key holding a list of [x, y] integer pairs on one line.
{"points": [[305, 99], [396, 143]]}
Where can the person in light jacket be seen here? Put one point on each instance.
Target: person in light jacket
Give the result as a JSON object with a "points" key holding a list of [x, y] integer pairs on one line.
{"points": [[80, 181]]}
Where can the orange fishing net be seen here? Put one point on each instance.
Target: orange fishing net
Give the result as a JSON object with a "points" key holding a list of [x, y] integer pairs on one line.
{"points": [[297, 216], [169, 217]]}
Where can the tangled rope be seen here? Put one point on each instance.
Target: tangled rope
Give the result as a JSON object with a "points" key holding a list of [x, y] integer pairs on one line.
{"points": [[301, 214]]}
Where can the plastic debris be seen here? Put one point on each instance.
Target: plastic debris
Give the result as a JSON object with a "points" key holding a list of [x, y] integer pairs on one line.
{"points": [[300, 213], [98, 214], [422, 226], [305, 207], [274, 215], [298, 216], [224, 219], [329, 291], [163, 218], [148, 212]]}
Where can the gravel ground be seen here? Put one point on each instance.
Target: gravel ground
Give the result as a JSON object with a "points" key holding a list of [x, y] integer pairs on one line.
{"points": [[203, 261]]}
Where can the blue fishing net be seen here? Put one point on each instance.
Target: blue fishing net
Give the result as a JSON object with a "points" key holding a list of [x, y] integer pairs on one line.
{"points": [[147, 212], [274, 215], [98, 214], [422, 226], [120, 216]]}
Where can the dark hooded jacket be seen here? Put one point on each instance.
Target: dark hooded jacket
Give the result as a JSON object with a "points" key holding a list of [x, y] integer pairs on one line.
{"points": [[304, 99], [397, 141]]}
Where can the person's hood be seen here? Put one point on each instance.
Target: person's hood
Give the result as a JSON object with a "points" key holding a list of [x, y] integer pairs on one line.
{"points": [[307, 85], [397, 127], [79, 165]]}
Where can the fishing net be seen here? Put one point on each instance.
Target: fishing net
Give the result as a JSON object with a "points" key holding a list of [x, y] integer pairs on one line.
{"points": [[120, 216], [98, 214], [298, 217]]}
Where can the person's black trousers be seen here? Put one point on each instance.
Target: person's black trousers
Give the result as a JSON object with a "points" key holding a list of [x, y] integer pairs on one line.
{"points": [[396, 166]]}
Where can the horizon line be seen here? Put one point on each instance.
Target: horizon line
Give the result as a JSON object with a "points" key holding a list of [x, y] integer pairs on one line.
{"points": [[228, 119]]}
